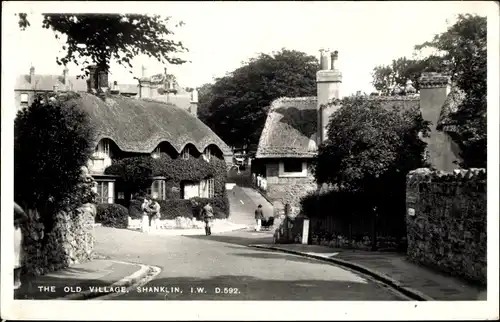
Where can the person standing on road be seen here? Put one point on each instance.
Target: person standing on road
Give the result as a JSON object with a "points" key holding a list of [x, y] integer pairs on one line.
{"points": [[145, 214], [259, 215], [155, 214], [208, 214]]}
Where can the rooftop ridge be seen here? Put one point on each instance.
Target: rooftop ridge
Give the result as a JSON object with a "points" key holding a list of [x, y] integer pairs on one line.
{"points": [[432, 175]]}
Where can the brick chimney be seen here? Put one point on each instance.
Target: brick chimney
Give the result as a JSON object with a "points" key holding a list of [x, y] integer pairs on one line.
{"points": [[93, 80], [441, 150], [98, 80], [328, 80], [32, 76], [193, 104]]}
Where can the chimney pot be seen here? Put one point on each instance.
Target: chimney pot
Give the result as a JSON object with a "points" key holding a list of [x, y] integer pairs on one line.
{"points": [[115, 89], [334, 56], [32, 75], [323, 60]]}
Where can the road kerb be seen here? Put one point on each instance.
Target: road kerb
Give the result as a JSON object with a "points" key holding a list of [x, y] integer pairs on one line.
{"points": [[127, 282], [411, 293]]}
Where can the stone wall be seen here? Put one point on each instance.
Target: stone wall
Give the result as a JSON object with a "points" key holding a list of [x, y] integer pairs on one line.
{"points": [[446, 221], [71, 240], [283, 190]]}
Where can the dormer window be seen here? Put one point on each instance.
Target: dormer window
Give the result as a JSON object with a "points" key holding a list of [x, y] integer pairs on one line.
{"points": [[207, 154], [156, 153], [103, 147], [185, 153]]}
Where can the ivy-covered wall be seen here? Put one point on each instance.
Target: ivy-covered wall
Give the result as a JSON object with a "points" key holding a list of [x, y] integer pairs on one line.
{"points": [[135, 175]]}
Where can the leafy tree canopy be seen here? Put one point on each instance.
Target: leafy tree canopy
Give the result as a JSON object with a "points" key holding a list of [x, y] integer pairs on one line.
{"points": [[461, 52], [52, 141], [386, 77], [464, 54], [235, 106], [99, 38], [367, 143]]}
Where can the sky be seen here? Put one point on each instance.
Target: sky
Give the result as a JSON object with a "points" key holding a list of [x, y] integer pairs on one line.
{"points": [[222, 35]]}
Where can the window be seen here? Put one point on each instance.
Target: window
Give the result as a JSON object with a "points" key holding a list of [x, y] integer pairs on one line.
{"points": [[156, 153], [24, 98], [292, 166], [103, 147], [185, 153], [102, 192], [208, 154], [207, 188], [158, 190]]}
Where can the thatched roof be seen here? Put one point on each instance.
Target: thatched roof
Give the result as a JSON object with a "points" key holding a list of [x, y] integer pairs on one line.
{"points": [[411, 102], [291, 126], [450, 106], [290, 129], [139, 125]]}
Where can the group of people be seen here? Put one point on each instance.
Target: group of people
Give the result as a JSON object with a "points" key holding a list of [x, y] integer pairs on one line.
{"points": [[151, 214]]}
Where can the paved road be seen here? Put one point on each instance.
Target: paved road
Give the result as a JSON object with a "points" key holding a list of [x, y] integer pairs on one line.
{"points": [[221, 267]]}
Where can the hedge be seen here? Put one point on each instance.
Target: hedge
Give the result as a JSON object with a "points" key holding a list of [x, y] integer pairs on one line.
{"points": [[219, 205], [134, 172], [112, 215], [189, 208]]}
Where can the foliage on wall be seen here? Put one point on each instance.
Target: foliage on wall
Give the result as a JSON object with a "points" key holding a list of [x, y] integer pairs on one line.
{"points": [[367, 155], [53, 140], [135, 174]]}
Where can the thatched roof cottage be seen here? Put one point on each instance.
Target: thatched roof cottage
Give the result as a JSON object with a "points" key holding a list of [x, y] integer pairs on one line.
{"points": [[295, 127], [128, 127]]}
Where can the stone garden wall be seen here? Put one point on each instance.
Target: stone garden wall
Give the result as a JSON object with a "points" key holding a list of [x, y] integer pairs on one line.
{"points": [[446, 221], [71, 240]]}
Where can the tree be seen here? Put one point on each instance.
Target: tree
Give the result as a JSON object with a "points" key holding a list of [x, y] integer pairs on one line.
{"points": [[134, 172], [368, 153], [385, 77], [53, 140], [463, 49], [235, 106], [99, 38]]}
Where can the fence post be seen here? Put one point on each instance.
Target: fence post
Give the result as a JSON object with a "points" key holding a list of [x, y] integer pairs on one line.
{"points": [[305, 231]]}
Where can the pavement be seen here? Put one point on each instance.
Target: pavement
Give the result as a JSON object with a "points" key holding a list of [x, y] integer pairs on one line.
{"points": [[413, 280], [219, 226], [87, 280]]}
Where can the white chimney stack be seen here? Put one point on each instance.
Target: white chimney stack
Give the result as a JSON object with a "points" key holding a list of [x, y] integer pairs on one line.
{"points": [[65, 76], [328, 80], [32, 75]]}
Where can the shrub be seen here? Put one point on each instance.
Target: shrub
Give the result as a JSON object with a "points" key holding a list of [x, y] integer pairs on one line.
{"points": [[220, 206], [112, 215], [171, 209], [134, 209], [53, 140], [135, 172]]}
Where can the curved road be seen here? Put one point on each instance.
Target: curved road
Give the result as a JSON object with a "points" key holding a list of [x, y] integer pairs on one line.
{"points": [[196, 267]]}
